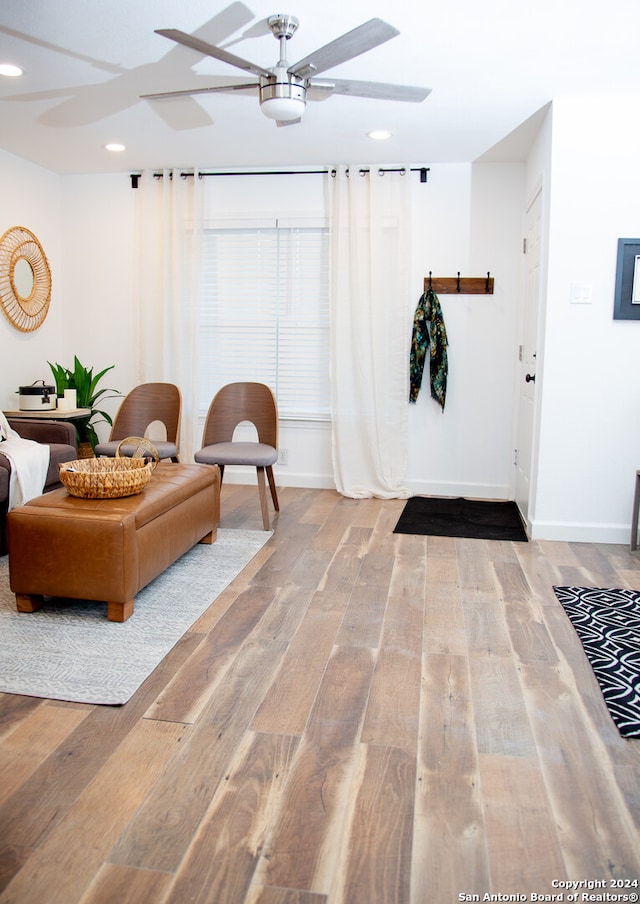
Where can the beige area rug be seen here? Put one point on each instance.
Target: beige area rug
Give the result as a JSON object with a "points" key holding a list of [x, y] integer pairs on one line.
{"points": [[70, 651]]}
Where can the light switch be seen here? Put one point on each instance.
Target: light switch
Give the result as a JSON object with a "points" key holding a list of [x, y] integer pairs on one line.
{"points": [[580, 293]]}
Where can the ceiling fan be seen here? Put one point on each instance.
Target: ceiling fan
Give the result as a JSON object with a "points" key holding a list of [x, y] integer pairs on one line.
{"points": [[284, 90]]}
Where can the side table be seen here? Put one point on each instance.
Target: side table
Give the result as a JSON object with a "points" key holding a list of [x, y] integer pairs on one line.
{"points": [[51, 414]]}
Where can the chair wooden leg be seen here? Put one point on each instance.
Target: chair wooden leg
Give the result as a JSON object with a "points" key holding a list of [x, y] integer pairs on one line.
{"points": [[264, 504], [272, 487]]}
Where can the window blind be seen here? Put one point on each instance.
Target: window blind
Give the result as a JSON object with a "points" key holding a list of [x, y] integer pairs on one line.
{"points": [[264, 314]]}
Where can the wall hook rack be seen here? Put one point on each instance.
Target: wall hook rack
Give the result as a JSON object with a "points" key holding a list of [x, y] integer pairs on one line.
{"points": [[459, 285]]}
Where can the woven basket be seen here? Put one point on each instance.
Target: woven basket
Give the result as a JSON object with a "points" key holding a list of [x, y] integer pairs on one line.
{"points": [[105, 478], [138, 447]]}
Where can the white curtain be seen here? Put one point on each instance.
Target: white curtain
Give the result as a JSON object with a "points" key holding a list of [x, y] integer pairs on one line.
{"points": [[169, 239], [370, 301]]}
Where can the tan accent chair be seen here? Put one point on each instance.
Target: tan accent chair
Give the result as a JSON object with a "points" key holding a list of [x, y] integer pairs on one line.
{"points": [[144, 405], [233, 404]]}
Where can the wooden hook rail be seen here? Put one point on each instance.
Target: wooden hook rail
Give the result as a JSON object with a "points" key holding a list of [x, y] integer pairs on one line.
{"points": [[452, 285]]}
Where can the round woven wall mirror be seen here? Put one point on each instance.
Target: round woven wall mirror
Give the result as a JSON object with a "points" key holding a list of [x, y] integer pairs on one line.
{"points": [[25, 279]]}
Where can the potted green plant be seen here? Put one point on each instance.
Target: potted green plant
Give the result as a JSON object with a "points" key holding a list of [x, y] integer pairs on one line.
{"points": [[85, 383]]}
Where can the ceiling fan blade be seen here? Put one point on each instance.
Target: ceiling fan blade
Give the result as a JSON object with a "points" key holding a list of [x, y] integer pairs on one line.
{"points": [[206, 49], [320, 90], [376, 90], [190, 92], [352, 44]]}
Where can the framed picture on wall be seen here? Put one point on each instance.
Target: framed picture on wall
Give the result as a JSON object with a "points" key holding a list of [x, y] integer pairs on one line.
{"points": [[627, 298]]}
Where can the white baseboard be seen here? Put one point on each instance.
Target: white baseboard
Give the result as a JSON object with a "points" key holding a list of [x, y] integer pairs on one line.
{"points": [[284, 478], [287, 478], [575, 532], [467, 490]]}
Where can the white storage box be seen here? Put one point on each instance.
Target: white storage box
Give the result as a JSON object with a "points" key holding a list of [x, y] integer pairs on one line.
{"points": [[37, 397]]}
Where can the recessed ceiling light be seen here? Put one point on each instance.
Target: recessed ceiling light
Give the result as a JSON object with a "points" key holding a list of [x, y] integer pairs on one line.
{"points": [[379, 135], [115, 147], [9, 70]]}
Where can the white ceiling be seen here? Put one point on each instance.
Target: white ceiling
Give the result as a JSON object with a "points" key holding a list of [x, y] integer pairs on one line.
{"points": [[490, 66]]}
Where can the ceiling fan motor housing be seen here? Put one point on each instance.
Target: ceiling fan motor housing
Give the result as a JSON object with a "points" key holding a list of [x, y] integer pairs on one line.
{"points": [[283, 25], [283, 96]]}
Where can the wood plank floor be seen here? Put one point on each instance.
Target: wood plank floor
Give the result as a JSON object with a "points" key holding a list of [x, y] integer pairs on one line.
{"points": [[360, 718]]}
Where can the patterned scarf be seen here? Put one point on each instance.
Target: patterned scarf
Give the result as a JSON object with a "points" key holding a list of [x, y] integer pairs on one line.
{"points": [[428, 312]]}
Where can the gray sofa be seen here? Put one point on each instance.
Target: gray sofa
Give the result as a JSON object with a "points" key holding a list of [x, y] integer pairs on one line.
{"points": [[60, 436]]}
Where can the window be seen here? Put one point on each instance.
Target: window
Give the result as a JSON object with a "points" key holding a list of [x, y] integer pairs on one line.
{"points": [[264, 314]]}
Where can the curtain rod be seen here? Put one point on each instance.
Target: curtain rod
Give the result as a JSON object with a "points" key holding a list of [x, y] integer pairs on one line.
{"points": [[423, 170]]}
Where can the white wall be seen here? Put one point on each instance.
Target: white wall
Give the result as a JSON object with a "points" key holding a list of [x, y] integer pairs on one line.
{"points": [[31, 197], [84, 225], [469, 220], [97, 263], [590, 404]]}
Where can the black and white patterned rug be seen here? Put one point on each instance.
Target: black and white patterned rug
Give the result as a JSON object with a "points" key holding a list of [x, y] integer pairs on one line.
{"points": [[608, 625]]}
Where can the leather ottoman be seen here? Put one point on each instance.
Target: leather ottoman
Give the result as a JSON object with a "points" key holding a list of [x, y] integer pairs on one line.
{"points": [[109, 549]]}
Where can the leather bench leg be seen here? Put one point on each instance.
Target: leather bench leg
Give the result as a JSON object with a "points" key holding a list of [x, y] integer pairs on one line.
{"points": [[28, 602], [119, 611]]}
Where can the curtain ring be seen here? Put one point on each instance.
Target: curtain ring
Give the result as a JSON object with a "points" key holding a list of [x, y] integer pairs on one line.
{"points": [[363, 172], [403, 171], [381, 172]]}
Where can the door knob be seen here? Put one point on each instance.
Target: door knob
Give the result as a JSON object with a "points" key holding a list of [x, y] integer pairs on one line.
{"points": [[530, 378]]}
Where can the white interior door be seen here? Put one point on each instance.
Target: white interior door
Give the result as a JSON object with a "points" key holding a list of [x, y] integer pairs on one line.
{"points": [[528, 354]]}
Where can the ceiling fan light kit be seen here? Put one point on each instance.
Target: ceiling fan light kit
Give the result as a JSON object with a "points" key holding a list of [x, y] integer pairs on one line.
{"points": [[284, 89], [283, 97]]}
